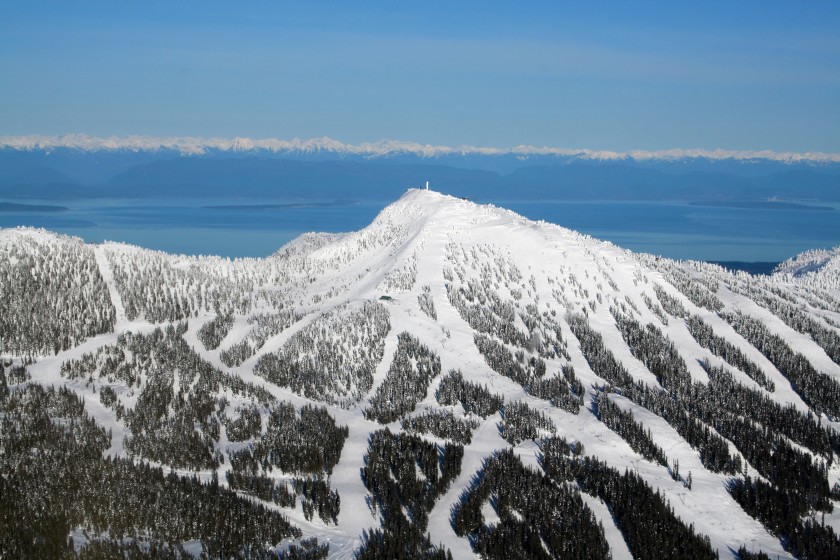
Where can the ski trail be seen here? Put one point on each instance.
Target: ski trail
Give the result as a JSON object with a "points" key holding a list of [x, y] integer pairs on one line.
{"points": [[108, 277]]}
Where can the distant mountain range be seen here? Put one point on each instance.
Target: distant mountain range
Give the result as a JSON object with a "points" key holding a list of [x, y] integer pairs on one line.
{"points": [[137, 167], [188, 145]]}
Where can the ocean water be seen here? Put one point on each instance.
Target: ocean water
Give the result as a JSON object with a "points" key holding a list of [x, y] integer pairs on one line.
{"points": [[685, 231], [226, 227], [255, 228]]}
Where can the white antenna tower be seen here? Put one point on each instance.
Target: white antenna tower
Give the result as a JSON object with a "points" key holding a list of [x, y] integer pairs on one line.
{"points": [[427, 185]]}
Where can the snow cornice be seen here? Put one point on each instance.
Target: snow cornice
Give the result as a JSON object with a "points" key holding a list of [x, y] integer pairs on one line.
{"points": [[194, 145]]}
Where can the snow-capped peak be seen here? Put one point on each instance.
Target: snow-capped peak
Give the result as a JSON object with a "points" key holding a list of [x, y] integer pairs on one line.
{"points": [[192, 145]]}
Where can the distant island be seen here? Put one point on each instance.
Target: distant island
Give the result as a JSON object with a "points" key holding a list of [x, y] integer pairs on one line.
{"points": [[12, 207], [289, 206], [760, 204]]}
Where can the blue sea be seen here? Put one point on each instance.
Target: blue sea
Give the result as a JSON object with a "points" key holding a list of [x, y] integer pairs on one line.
{"points": [[247, 228]]}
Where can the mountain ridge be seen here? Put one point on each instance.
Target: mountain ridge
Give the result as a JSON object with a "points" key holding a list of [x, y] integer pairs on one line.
{"points": [[116, 176], [382, 148]]}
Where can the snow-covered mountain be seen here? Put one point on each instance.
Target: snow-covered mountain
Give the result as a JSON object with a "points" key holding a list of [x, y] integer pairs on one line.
{"points": [[452, 379]]}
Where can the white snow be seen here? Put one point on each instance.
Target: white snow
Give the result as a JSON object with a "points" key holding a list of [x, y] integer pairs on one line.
{"points": [[320, 273]]}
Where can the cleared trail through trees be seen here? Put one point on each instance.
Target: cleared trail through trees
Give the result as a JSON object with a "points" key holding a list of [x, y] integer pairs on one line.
{"points": [[108, 277]]}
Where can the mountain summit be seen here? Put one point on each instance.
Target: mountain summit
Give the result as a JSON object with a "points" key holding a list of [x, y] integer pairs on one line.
{"points": [[453, 380]]}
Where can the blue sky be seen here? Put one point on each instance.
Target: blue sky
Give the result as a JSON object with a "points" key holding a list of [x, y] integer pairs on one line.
{"points": [[616, 76]]}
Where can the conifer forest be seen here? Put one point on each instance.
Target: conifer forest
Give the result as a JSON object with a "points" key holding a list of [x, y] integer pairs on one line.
{"points": [[451, 381]]}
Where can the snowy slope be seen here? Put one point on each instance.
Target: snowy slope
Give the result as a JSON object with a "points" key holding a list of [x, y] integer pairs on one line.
{"points": [[410, 265]]}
